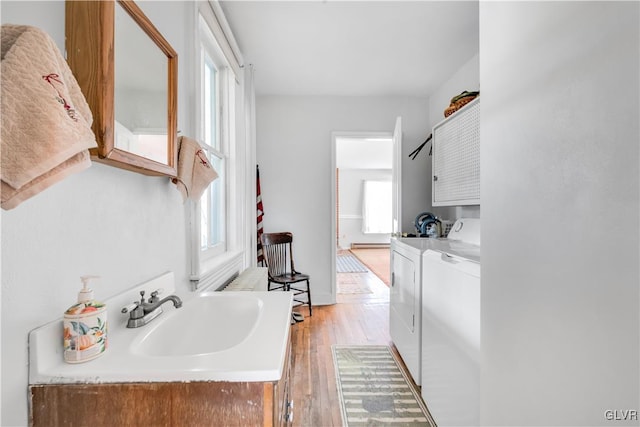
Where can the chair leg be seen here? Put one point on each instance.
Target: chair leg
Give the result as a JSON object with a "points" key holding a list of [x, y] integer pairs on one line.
{"points": [[309, 296], [279, 286]]}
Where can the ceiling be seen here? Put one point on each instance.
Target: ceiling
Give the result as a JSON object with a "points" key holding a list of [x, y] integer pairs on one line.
{"points": [[353, 48]]}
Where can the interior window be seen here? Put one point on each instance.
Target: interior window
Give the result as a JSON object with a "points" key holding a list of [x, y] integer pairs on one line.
{"points": [[215, 90]]}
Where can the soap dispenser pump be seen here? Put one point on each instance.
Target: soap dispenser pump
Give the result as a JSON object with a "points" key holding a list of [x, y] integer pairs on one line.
{"points": [[85, 326]]}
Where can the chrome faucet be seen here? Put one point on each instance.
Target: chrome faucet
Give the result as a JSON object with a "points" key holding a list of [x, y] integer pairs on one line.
{"points": [[144, 311]]}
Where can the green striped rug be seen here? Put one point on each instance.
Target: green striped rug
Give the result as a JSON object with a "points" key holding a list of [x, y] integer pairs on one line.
{"points": [[374, 390]]}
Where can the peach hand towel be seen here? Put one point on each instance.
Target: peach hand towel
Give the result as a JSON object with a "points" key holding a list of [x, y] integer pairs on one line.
{"points": [[195, 173], [12, 197], [46, 121]]}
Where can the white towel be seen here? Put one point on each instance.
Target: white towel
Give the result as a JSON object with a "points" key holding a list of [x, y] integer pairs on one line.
{"points": [[195, 173], [46, 121]]}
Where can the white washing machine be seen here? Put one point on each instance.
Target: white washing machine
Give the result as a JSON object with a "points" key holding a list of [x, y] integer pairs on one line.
{"points": [[405, 300], [450, 342]]}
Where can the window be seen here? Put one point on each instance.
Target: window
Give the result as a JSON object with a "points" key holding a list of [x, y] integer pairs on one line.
{"points": [[213, 202], [376, 208], [215, 88]]}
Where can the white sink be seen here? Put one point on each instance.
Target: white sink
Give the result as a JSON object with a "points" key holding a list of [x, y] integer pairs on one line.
{"points": [[215, 336], [209, 323]]}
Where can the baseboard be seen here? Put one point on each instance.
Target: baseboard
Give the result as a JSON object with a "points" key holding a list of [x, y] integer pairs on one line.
{"points": [[370, 245], [323, 299]]}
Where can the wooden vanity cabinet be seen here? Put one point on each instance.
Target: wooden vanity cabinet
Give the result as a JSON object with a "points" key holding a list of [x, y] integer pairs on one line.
{"points": [[157, 404]]}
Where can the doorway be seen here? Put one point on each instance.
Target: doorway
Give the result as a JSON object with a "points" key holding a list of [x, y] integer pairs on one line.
{"points": [[363, 215]]}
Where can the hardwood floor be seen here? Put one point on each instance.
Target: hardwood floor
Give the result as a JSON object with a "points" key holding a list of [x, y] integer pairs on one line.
{"points": [[377, 260], [356, 319]]}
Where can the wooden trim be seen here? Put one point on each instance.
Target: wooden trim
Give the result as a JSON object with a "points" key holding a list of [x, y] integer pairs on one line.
{"points": [[370, 245], [90, 57], [268, 406], [90, 44]]}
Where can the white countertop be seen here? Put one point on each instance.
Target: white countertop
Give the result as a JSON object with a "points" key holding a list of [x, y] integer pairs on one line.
{"points": [[259, 357], [449, 246]]}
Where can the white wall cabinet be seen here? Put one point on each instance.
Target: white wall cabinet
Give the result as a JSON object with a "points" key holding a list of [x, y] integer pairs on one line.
{"points": [[456, 158]]}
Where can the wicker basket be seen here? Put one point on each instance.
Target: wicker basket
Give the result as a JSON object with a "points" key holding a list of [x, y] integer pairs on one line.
{"points": [[459, 101]]}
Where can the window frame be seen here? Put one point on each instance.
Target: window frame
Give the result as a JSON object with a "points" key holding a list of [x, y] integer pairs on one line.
{"points": [[214, 264], [208, 50]]}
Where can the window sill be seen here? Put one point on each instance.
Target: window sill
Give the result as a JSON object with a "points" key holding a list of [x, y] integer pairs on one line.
{"points": [[218, 270]]}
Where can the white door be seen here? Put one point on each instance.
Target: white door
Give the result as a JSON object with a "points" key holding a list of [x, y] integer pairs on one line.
{"points": [[396, 180]]}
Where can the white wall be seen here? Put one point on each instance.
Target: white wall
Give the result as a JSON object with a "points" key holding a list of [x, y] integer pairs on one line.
{"points": [[351, 196], [294, 153], [560, 211], [466, 78], [123, 226]]}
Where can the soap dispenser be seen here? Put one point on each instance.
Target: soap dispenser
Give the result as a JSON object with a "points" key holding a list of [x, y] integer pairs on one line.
{"points": [[85, 326]]}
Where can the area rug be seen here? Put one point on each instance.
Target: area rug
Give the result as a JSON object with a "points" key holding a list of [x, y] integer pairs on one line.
{"points": [[349, 264], [374, 390], [377, 261], [350, 283]]}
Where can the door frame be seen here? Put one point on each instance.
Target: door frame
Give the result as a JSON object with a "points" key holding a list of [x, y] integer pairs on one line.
{"points": [[334, 137], [396, 171]]}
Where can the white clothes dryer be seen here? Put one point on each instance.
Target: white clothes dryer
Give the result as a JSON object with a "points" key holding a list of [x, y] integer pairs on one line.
{"points": [[405, 299], [450, 342]]}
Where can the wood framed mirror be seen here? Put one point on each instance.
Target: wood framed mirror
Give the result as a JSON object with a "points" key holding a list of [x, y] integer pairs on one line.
{"points": [[128, 73]]}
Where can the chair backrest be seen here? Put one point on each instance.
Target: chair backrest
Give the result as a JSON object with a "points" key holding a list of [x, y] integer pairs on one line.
{"points": [[278, 252]]}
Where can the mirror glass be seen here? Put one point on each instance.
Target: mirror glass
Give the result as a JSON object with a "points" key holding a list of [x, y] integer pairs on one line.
{"points": [[140, 94], [128, 73]]}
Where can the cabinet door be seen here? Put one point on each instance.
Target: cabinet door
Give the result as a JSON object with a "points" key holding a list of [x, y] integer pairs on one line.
{"points": [[456, 158], [283, 401]]}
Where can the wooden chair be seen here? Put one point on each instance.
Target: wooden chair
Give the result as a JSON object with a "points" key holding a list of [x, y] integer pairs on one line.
{"points": [[278, 255]]}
